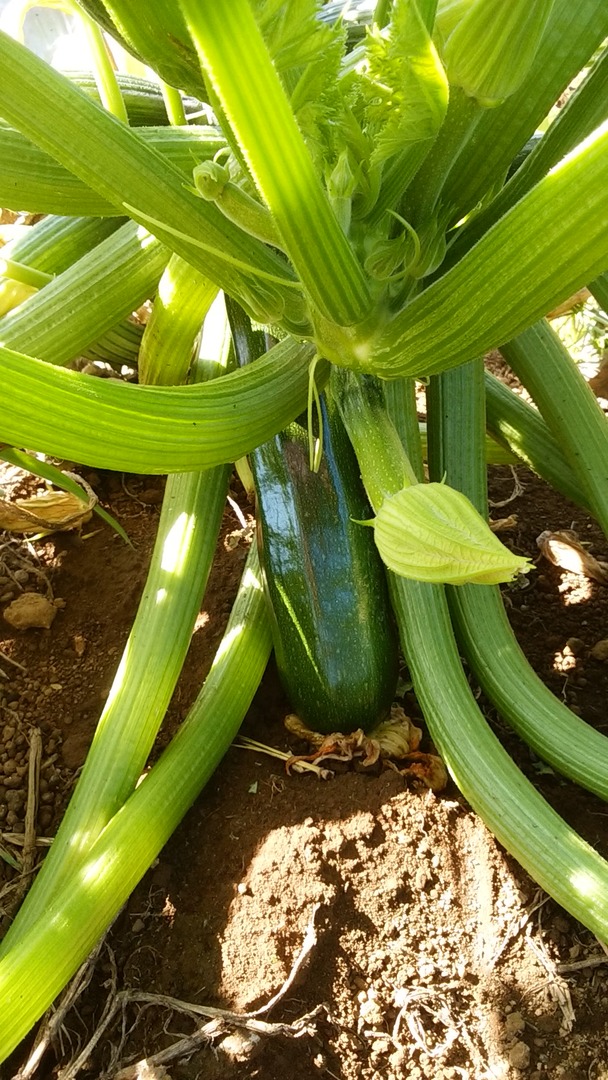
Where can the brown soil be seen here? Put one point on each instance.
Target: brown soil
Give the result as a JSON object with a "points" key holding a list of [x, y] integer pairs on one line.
{"points": [[436, 958]]}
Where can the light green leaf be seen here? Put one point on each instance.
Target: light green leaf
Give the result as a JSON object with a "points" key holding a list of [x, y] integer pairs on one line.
{"points": [[307, 54], [430, 532], [405, 84]]}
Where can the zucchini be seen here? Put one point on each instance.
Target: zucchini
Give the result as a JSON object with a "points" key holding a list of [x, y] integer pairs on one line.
{"points": [[333, 629], [334, 638]]}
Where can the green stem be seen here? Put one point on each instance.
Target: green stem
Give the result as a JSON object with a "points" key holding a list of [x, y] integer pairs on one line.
{"points": [[105, 75], [554, 855], [116, 162], [233, 54], [17, 271], [159, 640], [457, 451], [557, 858], [400, 398], [183, 299], [89, 298], [174, 105], [385, 466], [423, 195], [548, 245], [39, 964], [599, 290], [518, 425], [583, 112], [569, 407]]}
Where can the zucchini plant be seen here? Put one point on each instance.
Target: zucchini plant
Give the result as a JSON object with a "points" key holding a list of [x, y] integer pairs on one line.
{"points": [[356, 189]]}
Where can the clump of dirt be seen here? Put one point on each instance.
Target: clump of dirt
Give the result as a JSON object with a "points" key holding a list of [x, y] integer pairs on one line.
{"points": [[435, 957]]}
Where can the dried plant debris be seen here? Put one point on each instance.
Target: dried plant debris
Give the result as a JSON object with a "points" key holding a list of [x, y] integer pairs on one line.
{"points": [[564, 549], [52, 511], [396, 738]]}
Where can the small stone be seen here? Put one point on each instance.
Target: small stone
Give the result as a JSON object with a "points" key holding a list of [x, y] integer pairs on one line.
{"points": [[138, 926], [600, 650], [79, 644], [241, 1046], [519, 1055], [576, 646], [30, 610]]}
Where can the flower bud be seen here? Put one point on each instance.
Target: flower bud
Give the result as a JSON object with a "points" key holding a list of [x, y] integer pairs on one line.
{"points": [[491, 48]]}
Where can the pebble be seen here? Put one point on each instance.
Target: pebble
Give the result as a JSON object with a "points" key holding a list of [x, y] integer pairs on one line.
{"points": [[576, 645], [30, 610], [600, 650], [519, 1055], [514, 1023]]}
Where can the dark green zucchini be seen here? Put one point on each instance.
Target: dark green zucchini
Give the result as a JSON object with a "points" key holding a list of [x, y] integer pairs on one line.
{"points": [[333, 631], [334, 639]]}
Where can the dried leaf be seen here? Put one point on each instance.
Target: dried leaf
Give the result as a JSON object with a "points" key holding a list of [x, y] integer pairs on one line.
{"points": [[564, 549], [396, 737], [52, 511]]}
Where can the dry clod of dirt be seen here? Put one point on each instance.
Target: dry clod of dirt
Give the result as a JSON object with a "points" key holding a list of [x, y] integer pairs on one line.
{"points": [[600, 650], [30, 610]]}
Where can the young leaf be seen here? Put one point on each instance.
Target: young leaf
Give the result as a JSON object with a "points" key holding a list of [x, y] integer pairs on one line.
{"points": [[430, 532], [405, 85]]}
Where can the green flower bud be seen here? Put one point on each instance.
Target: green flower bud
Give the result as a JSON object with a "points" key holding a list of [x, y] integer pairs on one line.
{"points": [[340, 187], [491, 48], [210, 179], [430, 532]]}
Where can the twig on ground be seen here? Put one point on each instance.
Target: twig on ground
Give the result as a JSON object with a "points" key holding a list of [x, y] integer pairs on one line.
{"points": [[242, 742], [109, 1010], [518, 489], [9, 660], [219, 1022], [556, 987], [33, 784], [579, 965], [538, 901]]}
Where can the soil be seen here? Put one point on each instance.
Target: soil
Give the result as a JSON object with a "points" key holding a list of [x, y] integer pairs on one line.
{"points": [[432, 956]]}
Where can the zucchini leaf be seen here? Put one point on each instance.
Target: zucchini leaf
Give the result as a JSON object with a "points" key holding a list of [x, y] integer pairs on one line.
{"points": [[431, 532], [404, 85]]}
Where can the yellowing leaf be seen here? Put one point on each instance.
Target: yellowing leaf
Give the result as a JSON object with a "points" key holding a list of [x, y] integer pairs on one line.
{"points": [[430, 532]]}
